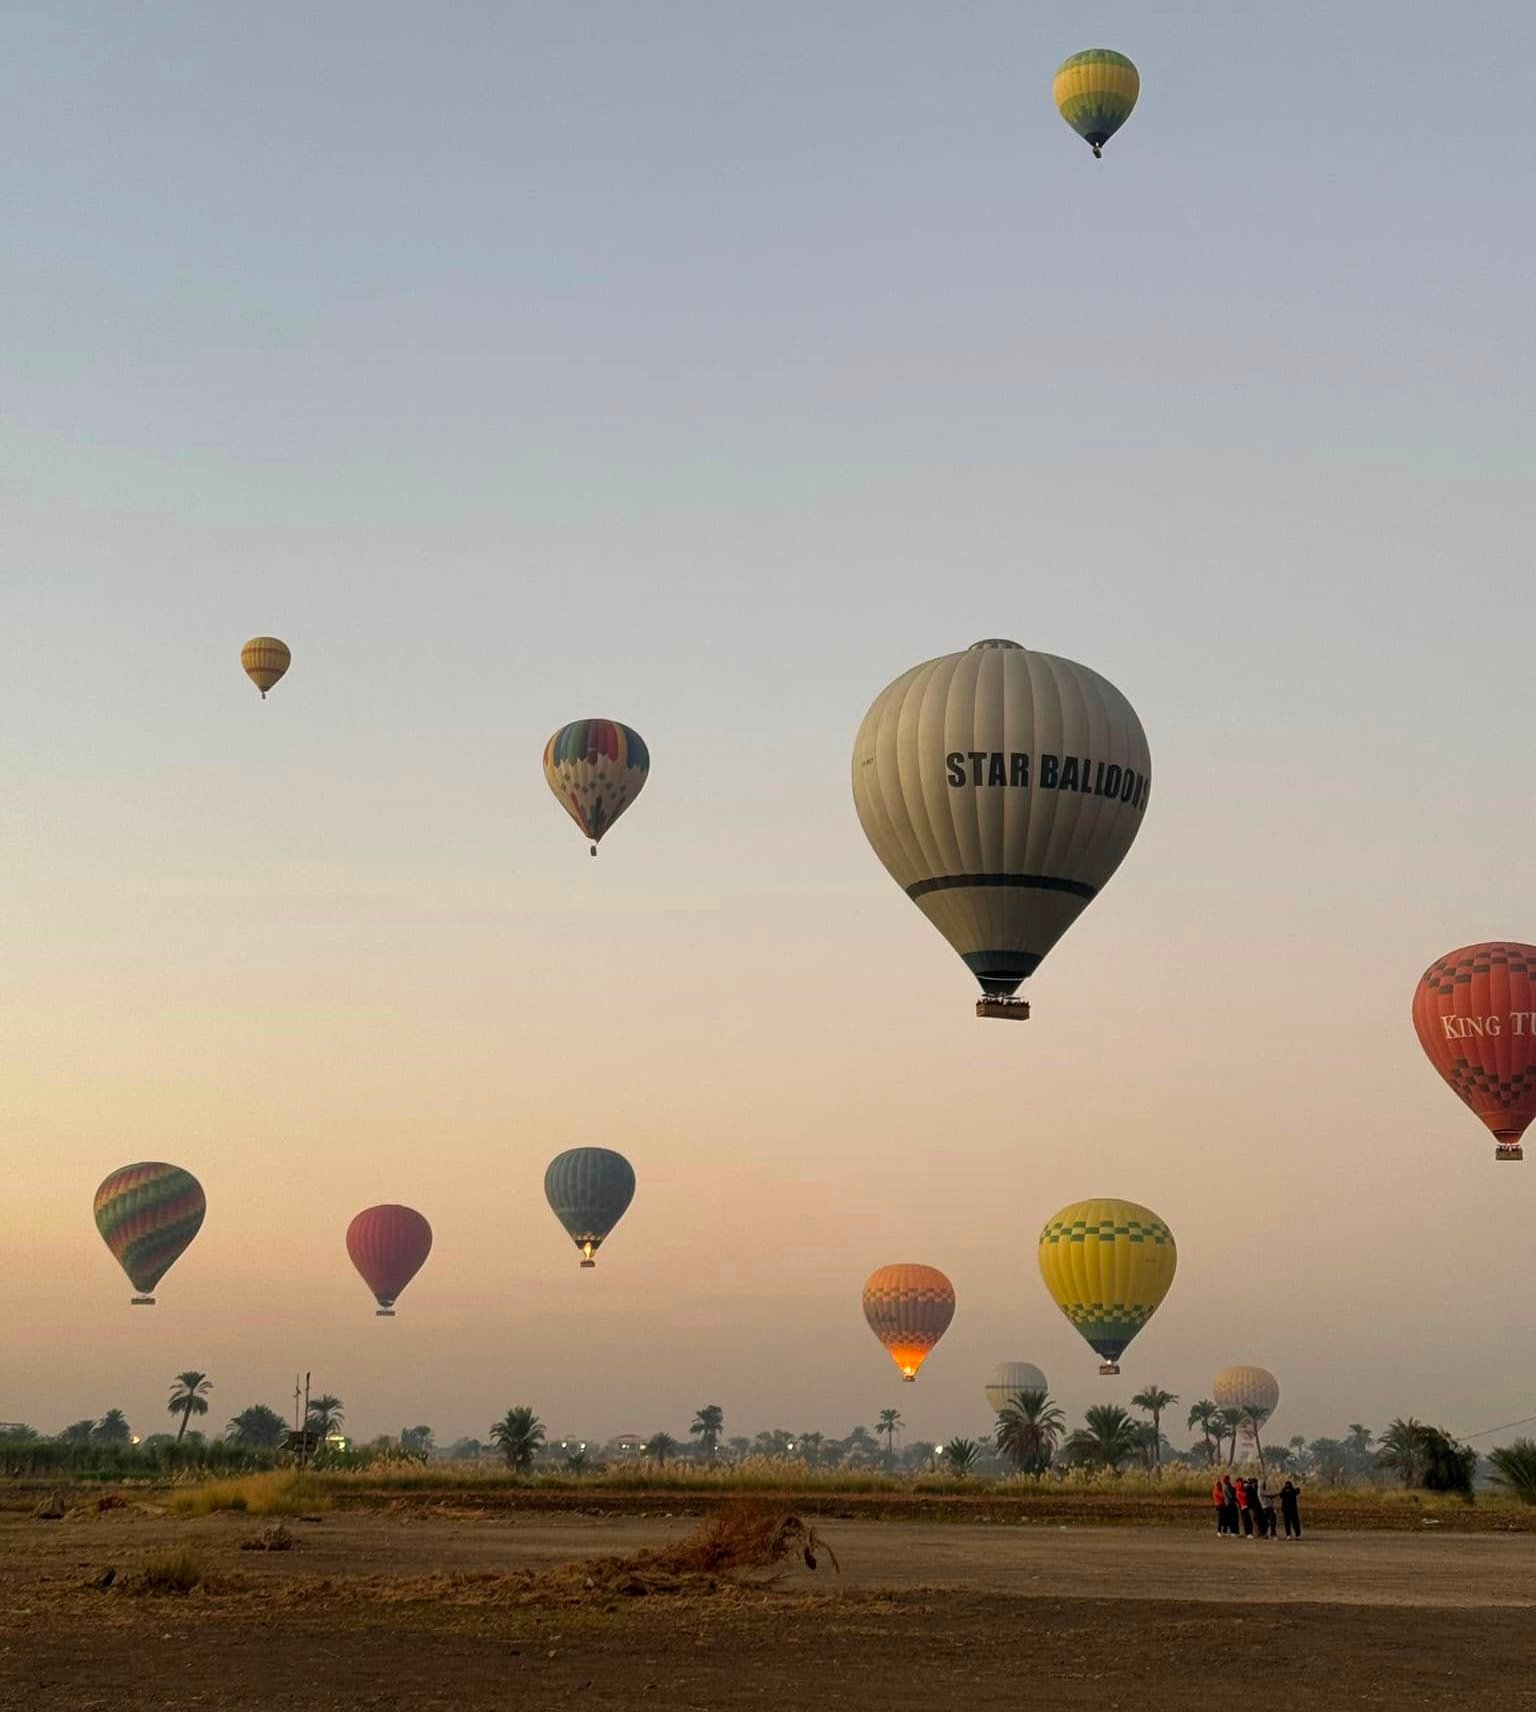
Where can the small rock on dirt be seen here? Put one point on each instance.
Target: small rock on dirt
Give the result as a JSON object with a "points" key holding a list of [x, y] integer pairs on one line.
{"points": [[50, 1509]]}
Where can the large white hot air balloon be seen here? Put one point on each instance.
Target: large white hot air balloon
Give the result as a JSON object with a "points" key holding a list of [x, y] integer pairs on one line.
{"points": [[1008, 1379], [1001, 788], [1247, 1388]]}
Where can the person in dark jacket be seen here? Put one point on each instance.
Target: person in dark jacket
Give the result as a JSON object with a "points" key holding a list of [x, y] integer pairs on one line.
{"points": [[1290, 1509], [1231, 1507]]}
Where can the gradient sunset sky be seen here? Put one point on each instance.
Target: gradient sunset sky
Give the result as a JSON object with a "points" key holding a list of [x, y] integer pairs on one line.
{"points": [[705, 366]]}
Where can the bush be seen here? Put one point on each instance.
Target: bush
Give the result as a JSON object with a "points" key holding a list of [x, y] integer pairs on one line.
{"points": [[1448, 1466], [175, 1572], [1515, 1469], [88, 1461]]}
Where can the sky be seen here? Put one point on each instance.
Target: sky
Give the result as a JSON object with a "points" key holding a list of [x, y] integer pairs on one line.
{"points": [[705, 366]]}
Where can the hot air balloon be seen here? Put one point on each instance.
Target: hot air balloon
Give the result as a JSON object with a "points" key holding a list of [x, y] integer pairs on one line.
{"points": [[1001, 788], [1247, 1389], [596, 767], [589, 1189], [265, 660], [147, 1215], [909, 1309], [388, 1245], [1008, 1379], [1095, 93], [1107, 1265], [1475, 1013]]}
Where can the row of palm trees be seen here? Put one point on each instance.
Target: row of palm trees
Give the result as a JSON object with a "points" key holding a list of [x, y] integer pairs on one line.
{"points": [[254, 1428]]}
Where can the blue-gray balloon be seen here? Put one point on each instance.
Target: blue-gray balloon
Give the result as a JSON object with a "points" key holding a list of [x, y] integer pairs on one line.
{"points": [[590, 1189]]}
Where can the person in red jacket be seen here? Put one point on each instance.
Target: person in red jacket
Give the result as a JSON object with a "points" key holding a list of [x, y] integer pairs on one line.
{"points": [[1231, 1496], [1245, 1515], [1219, 1499]]}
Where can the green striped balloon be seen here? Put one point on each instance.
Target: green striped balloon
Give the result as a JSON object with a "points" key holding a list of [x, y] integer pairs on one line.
{"points": [[147, 1215], [1095, 93], [589, 1189]]}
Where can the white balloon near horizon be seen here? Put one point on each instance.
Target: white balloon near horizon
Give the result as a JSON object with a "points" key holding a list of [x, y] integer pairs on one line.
{"points": [[1009, 1378], [1254, 1388]]}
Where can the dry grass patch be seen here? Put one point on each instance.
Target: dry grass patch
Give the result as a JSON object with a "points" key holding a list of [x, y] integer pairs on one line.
{"points": [[284, 1494], [172, 1572]]}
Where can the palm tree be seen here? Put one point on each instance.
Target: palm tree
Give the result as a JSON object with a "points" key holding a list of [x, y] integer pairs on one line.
{"points": [[811, 1444], [1029, 1428], [112, 1428], [859, 1443], [188, 1398], [1402, 1450], [1360, 1437], [78, 1432], [1146, 1444], [1207, 1417], [326, 1413], [661, 1446], [707, 1426], [920, 1454], [1106, 1440], [742, 1447], [1154, 1400], [416, 1440], [890, 1425], [1515, 1469], [257, 1428], [961, 1455], [1231, 1420], [518, 1435]]}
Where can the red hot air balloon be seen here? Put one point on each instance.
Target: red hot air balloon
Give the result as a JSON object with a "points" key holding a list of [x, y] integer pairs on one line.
{"points": [[388, 1245], [1475, 1014]]}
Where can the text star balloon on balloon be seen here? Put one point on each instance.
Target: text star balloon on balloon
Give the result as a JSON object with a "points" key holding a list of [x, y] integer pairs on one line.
{"points": [[1475, 1014], [265, 659], [148, 1214], [1095, 92], [589, 1190], [1107, 1265], [909, 1309], [596, 767], [1001, 788], [388, 1245]]}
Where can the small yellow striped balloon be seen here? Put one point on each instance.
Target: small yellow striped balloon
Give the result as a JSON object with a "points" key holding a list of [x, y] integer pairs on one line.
{"points": [[1095, 92], [265, 660]]}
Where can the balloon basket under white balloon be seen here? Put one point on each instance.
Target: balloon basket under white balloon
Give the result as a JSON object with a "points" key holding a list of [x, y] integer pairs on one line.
{"points": [[1108, 1369], [1509, 1150], [142, 1302], [1016, 1009], [383, 1313]]}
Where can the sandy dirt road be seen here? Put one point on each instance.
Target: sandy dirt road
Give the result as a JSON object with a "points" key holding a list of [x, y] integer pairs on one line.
{"points": [[382, 1612]]}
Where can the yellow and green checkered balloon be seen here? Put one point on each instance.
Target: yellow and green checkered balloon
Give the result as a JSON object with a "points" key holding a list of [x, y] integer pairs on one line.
{"points": [[1107, 1264], [1095, 92]]}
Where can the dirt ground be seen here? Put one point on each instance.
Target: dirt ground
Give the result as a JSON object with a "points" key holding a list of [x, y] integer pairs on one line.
{"points": [[421, 1609]]}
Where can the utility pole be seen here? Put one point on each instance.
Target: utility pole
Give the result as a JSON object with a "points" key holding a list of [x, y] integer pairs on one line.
{"points": [[304, 1430]]}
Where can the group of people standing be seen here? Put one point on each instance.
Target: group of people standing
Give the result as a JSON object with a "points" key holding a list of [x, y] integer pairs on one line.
{"points": [[1247, 1506]]}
